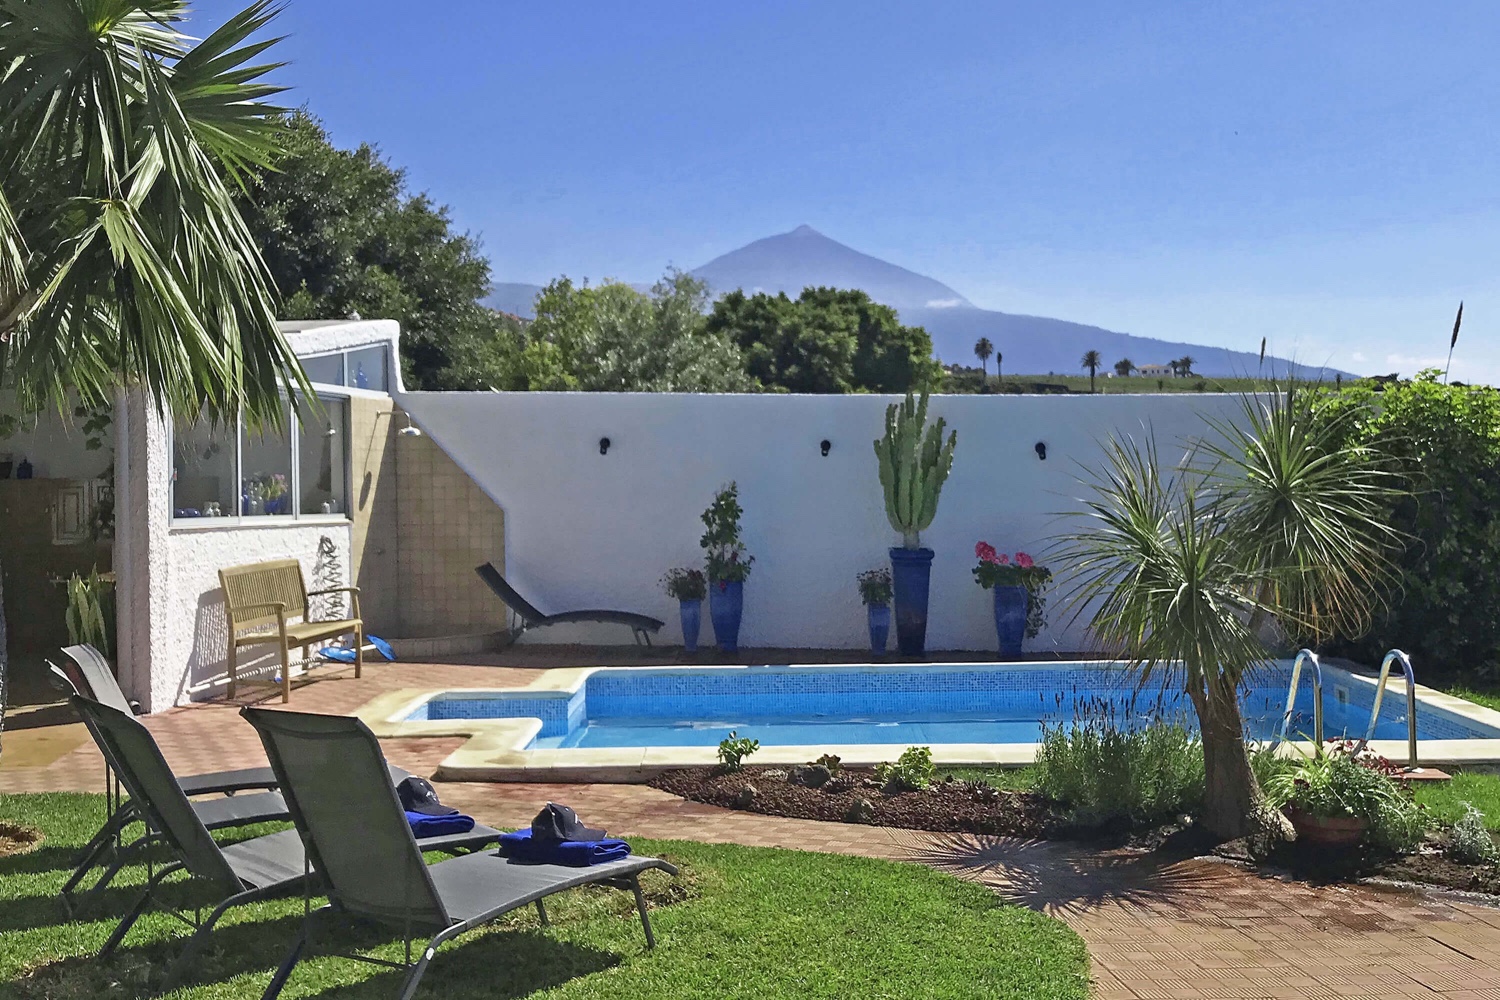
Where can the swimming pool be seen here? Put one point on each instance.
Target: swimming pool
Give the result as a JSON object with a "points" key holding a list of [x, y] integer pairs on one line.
{"points": [[922, 705]]}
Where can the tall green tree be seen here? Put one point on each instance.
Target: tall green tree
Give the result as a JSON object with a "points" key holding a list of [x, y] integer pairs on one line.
{"points": [[341, 234], [1124, 367], [123, 258], [612, 338], [1093, 361], [983, 349], [827, 340], [1277, 519]]}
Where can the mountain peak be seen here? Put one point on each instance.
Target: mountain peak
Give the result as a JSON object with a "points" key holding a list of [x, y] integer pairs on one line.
{"points": [[789, 262]]}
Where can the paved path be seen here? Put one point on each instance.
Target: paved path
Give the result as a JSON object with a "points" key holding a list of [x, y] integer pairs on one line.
{"points": [[1155, 930]]}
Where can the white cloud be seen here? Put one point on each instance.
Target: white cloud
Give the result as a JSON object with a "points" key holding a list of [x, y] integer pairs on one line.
{"points": [[944, 303]]}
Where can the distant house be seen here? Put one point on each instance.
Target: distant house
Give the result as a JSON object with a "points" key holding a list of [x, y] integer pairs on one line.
{"points": [[1153, 371]]}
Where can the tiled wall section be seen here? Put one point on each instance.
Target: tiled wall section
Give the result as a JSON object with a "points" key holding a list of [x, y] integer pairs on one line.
{"points": [[375, 543], [446, 526]]}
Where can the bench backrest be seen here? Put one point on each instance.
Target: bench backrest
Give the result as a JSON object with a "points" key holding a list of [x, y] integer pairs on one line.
{"points": [[249, 588]]}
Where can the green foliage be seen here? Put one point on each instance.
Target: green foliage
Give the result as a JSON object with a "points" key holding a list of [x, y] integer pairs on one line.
{"points": [[1093, 361], [913, 771], [875, 587], [1469, 842], [341, 234], [826, 340], [737, 923], [612, 338], [1336, 784], [914, 463], [832, 761], [123, 259], [1105, 773], [685, 583], [721, 542], [90, 613], [733, 750], [1443, 441]]}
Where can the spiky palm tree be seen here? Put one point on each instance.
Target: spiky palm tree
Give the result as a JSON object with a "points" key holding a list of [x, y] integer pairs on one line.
{"points": [[999, 372], [982, 350], [123, 261], [1186, 362], [1093, 361], [1124, 367], [1279, 520]]}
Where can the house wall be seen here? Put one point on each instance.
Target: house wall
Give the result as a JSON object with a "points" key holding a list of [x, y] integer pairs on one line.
{"points": [[373, 538], [591, 530]]}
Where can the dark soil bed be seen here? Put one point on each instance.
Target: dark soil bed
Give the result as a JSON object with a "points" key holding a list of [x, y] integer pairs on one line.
{"points": [[16, 839], [951, 806]]}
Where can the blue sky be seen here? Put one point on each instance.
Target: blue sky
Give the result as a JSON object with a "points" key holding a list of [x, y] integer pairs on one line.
{"points": [[1321, 174]]}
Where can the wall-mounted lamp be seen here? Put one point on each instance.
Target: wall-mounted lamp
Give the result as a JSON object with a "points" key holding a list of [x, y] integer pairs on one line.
{"points": [[604, 446], [1041, 450], [411, 430], [825, 446]]}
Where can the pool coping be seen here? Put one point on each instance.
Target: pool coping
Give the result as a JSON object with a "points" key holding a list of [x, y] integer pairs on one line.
{"points": [[495, 749]]}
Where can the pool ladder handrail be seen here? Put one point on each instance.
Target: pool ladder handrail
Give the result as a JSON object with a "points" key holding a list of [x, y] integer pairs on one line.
{"points": [[1291, 695], [1393, 656]]}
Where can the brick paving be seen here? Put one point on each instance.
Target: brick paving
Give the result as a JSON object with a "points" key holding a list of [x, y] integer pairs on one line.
{"points": [[1155, 930]]}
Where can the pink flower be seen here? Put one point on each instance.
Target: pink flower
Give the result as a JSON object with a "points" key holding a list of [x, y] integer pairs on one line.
{"points": [[1024, 561], [1004, 559], [986, 553]]}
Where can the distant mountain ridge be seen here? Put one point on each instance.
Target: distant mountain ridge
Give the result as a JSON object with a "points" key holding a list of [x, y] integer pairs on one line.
{"points": [[1031, 345]]}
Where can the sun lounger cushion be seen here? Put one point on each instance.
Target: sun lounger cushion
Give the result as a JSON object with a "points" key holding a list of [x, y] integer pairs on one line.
{"points": [[423, 825], [575, 853]]}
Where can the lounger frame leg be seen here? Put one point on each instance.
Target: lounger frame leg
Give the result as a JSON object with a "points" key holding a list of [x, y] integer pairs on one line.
{"points": [[419, 969], [284, 970], [128, 921], [200, 936], [541, 912], [640, 905]]}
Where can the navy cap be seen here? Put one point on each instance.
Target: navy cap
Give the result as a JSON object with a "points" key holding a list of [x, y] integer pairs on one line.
{"points": [[417, 795], [557, 823]]}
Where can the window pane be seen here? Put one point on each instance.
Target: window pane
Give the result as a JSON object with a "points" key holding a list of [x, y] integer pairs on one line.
{"points": [[325, 436], [203, 483], [267, 485], [367, 368], [328, 369]]}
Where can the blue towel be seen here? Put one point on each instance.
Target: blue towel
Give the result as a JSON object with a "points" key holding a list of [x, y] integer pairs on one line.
{"points": [[423, 825], [577, 853]]}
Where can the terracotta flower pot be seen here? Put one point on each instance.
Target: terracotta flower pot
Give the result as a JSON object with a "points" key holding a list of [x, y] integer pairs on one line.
{"points": [[1328, 831]]}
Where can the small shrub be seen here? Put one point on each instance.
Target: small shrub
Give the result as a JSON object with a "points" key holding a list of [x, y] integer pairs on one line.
{"points": [[875, 587], [683, 583], [733, 750], [832, 761], [1470, 842], [1102, 773], [912, 772]]}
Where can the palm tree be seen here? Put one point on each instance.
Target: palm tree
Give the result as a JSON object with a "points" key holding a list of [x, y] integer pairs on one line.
{"points": [[1280, 521], [1124, 367], [1186, 361], [982, 350], [1093, 361], [123, 261], [999, 374]]}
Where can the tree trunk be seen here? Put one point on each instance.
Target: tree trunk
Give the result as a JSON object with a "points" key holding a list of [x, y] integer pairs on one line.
{"points": [[1231, 797], [4, 660]]}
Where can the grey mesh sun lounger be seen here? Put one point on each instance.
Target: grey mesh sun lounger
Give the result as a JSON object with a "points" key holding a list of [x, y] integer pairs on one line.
{"points": [[372, 869], [528, 617], [245, 872]]}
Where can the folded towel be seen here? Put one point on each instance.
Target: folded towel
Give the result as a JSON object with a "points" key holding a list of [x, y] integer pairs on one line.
{"points": [[577, 853], [423, 825]]}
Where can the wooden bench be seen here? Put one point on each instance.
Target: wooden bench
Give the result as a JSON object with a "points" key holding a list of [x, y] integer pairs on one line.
{"points": [[267, 596]]}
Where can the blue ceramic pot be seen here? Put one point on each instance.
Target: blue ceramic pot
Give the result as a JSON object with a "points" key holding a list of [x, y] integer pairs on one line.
{"points": [[726, 602], [911, 571], [880, 627], [692, 619], [1010, 620]]}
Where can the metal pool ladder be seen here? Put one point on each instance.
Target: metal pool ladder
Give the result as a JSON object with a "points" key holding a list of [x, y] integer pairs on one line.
{"points": [[1394, 656], [1291, 695]]}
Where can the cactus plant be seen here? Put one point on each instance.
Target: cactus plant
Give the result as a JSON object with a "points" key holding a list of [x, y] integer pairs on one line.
{"points": [[914, 464]]}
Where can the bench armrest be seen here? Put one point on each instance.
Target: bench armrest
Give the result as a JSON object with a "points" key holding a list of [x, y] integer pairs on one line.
{"points": [[333, 590]]}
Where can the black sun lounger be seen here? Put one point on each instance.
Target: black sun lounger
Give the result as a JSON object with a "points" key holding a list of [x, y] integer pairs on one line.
{"points": [[246, 872], [644, 626], [359, 841]]}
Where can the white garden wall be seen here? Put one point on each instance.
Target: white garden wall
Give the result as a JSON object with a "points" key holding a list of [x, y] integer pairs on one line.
{"points": [[591, 530]]}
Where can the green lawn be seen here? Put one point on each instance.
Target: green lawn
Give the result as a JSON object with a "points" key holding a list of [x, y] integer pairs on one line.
{"points": [[1445, 801], [741, 923], [1489, 697]]}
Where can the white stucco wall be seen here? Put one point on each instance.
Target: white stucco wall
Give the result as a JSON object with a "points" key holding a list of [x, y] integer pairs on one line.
{"points": [[172, 632], [591, 530]]}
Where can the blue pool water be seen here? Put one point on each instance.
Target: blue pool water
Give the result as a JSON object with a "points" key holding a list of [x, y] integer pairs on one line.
{"points": [[910, 706]]}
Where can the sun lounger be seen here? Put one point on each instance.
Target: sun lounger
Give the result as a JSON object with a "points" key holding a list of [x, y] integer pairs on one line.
{"points": [[528, 617], [245, 872], [372, 869]]}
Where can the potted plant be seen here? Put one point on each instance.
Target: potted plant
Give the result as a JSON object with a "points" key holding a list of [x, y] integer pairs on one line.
{"points": [[914, 463], [1335, 797], [689, 587], [728, 565], [875, 592], [1019, 603]]}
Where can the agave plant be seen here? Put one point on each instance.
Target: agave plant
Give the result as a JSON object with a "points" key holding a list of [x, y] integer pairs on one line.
{"points": [[1180, 569]]}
